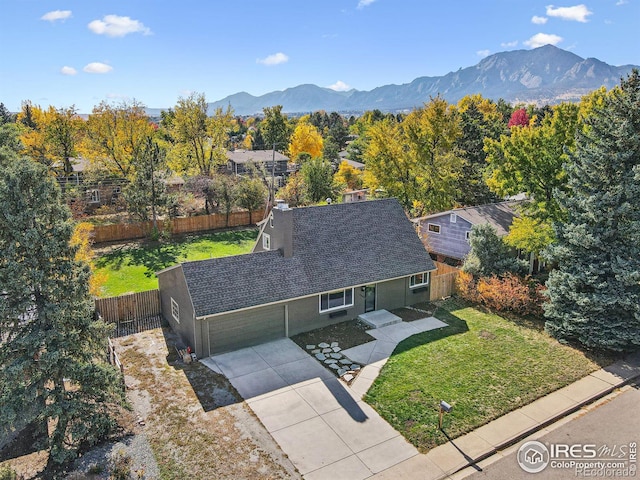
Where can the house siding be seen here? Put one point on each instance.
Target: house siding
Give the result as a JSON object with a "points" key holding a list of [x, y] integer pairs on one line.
{"points": [[261, 324], [228, 332], [172, 284], [451, 241]]}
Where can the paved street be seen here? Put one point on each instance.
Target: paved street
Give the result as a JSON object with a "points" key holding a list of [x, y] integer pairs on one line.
{"points": [[614, 423]]}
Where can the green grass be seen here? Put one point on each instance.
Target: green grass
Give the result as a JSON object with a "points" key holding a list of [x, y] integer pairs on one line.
{"points": [[131, 268], [482, 364]]}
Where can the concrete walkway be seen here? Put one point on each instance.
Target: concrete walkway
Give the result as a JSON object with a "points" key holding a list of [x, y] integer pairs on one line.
{"points": [[323, 426]]}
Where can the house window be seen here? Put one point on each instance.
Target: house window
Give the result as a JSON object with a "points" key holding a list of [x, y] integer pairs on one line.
{"points": [[335, 300], [419, 280], [175, 310], [94, 196], [453, 217], [271, 220], [266, 241], [467, 235], [433, 227]]}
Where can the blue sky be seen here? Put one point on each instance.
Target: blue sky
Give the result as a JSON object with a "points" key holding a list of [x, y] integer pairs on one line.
{"points": [[80, 52]]}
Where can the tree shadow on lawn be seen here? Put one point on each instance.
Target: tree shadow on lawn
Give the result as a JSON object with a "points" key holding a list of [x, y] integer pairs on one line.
{"points": [[154, 256], [455, 326]]}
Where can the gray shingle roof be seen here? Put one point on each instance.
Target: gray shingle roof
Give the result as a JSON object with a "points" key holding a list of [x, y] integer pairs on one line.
{"points": [[256, 156], [499, 215], [334, 246]]}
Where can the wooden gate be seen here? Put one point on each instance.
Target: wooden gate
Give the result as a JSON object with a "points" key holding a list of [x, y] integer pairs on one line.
{"points": [[443, 281]]}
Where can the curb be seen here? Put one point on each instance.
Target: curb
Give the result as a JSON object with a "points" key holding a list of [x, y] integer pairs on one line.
{"points": [[516, 438]]}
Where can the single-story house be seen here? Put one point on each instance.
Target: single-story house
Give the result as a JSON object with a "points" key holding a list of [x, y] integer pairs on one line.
{"points": [[310, 267], [446, 234], [239, 160]]}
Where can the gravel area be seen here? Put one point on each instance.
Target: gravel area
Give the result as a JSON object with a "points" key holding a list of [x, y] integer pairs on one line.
{"points": [[97, 461]]}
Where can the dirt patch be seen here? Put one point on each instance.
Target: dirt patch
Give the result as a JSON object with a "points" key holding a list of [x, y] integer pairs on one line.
{"points": [[196, 423], [415, 312], [348, 334]]}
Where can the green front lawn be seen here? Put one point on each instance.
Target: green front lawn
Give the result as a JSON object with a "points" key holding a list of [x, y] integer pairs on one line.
{"points": [[131, 268], [482, 364]]}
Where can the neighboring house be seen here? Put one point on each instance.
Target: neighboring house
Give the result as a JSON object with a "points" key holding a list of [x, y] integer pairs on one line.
{"points": [[95, 192], [446, 234], [310, 267], [349, 196], [238, 162]]}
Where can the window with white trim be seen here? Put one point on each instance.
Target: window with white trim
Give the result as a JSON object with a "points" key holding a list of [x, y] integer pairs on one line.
{"points": [[433, 228], [94, 196], [335, 300], [271, 220], [467, 235], [453, 218], [419, 280], [266, 241], [175, 310]]}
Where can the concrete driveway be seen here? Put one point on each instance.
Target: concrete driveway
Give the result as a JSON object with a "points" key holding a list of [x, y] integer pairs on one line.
{"points": [[326, 431], [323, 426]]}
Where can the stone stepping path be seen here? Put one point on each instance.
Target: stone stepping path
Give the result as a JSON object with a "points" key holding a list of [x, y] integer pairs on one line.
{"points": [[331, 356]]}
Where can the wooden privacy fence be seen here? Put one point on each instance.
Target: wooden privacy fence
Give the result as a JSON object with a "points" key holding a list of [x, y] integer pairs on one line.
{"points": [[131, 313], [129, 231], [443, 281], [130, 306]]}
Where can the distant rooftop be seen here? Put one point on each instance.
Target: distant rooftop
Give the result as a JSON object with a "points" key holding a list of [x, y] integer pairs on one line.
{"points": [[257, 156]]}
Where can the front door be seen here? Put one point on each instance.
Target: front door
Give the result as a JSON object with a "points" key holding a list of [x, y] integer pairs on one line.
{"points": [[369, 298]]}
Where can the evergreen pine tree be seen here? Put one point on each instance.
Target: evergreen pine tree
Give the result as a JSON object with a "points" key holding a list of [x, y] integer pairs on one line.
{"points": [[594, 293], [52, 349]]}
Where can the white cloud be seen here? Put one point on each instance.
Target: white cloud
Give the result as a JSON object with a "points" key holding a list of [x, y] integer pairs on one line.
{"points": [[56, 15], [483, 53], [365, 3], [340, 86], [68, 70], [577, 13], [539, 20], [275, 59], [509, 44], [541, 39], [621, 2], [116, 26], [97, 67]]}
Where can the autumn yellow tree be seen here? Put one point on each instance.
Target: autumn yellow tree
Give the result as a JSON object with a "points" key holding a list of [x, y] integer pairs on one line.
{"points": [[50, 136], [348, 175], [81, 241], [305, 139], [200, 141], [116, 135], [417, 160], [32, 122]]}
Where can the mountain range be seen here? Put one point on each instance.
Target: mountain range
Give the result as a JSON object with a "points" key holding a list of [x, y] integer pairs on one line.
{"points": [[543, 75]]}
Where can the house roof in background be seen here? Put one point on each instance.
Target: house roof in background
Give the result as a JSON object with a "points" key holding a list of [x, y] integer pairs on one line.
{"points": [[334, 247], [257, 156], [499, 215]]}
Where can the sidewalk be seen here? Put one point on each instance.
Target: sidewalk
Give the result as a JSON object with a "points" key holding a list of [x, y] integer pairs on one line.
{"points": [[461, 452]]}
